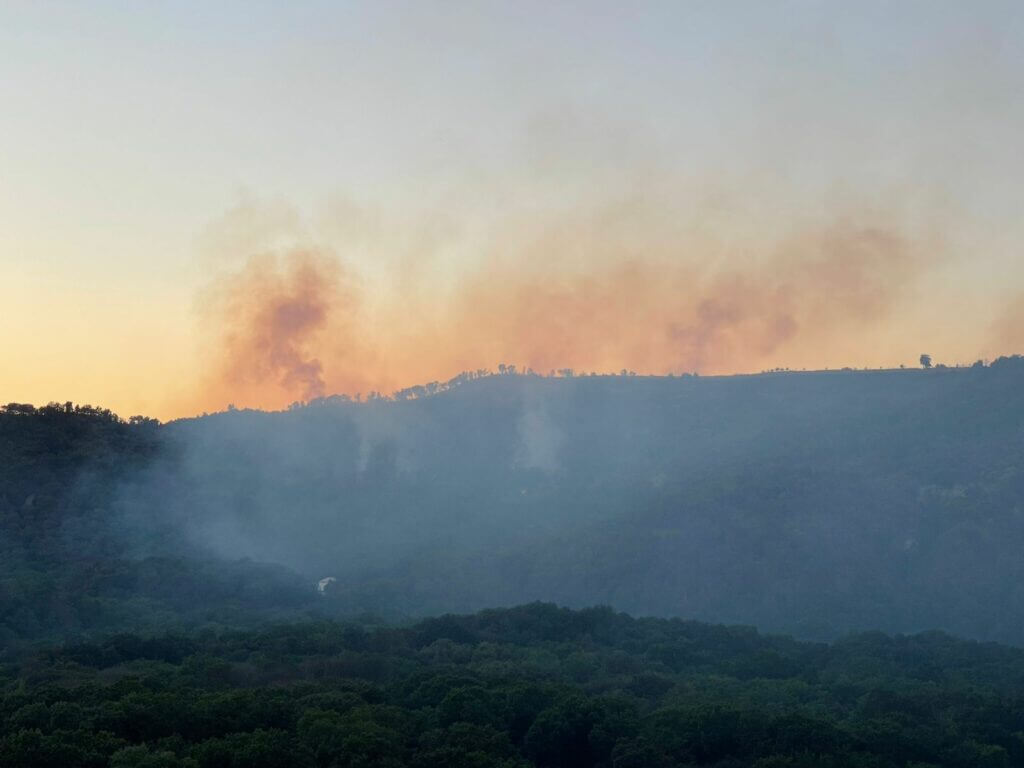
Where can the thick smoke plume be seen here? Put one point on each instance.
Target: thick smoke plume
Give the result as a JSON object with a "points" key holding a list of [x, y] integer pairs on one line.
{"points": [[298, 324], [271, 317]]}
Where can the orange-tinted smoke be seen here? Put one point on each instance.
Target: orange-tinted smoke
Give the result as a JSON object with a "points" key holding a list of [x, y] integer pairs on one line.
{"points": [[656, 315], [269, 319], [294, 327]]}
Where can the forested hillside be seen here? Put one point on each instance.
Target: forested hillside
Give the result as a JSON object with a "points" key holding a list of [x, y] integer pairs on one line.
{"points": [[812, 503], [72, 561], [534, 685]]}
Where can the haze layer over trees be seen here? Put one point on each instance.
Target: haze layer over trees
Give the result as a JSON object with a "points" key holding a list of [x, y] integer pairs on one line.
{"points": [[813, 503]]}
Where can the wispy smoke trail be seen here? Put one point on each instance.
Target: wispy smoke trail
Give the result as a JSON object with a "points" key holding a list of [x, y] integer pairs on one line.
{"points": [[272, 314]]}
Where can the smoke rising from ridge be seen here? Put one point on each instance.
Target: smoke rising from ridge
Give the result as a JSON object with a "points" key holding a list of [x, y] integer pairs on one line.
{"points": [[632, 291], [272, 314]]}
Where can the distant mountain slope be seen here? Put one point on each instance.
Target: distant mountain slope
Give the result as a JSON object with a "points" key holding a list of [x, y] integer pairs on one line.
{"points": [[807, 502]]}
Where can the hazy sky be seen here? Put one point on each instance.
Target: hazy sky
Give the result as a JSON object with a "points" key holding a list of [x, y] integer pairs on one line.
{"points": [[645, 183]]}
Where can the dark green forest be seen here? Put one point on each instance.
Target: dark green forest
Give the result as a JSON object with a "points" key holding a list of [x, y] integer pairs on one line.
{"points": [[158, 600], [534, 685]]}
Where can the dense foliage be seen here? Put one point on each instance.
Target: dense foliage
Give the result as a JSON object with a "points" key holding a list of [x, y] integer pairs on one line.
{"points": [[534, 685]]}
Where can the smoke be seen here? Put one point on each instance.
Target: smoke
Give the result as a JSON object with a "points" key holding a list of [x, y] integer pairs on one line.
{"points": [[819, 283], [658, 316], [602, 293], [1008, 327], [270, 317], [540, 436]]}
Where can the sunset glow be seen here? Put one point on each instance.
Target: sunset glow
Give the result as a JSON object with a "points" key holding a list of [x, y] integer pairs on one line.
{"points": [[255, 204]]}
